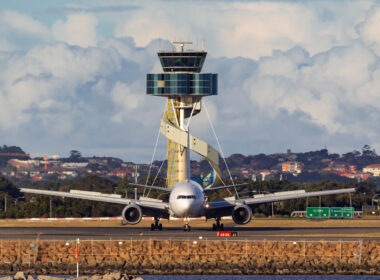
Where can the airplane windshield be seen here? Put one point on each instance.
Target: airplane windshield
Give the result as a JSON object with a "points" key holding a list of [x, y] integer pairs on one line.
{"points": [[186, 197]]}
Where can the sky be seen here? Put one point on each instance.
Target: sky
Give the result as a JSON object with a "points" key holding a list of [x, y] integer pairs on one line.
{"points": [[299, 75]]}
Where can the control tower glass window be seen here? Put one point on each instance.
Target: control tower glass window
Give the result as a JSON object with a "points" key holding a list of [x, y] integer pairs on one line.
{"points": [[182, 61]]}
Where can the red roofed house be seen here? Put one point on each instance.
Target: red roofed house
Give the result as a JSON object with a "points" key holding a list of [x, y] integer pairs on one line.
{"points": [[348, 175], [372, 168]]}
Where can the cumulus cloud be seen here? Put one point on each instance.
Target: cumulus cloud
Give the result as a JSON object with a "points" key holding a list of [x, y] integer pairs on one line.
{"points": [[369, 30], [78, 29], [247, 29], [125, 100], [24, 23], [74, 95], [19, 30], [298, 77]]}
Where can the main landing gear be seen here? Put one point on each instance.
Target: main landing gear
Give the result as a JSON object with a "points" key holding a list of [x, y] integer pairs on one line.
{"points": [[156, 225], [218, 225]]}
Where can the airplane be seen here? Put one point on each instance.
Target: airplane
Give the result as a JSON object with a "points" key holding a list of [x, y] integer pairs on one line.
{"points": [[187, 200]]}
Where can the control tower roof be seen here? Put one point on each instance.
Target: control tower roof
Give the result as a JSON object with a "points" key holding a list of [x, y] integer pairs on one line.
{"points": [[183, 61]]}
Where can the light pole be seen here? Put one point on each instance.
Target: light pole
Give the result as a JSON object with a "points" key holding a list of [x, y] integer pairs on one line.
{"points": [[51, 216], [375, 200]]}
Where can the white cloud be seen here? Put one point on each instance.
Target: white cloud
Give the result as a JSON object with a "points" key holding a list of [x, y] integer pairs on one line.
{"points": [[304, 79], [126, 101], [78, 29], [24, 23], [369, 29], [75, 95], [46, 78], [248, 29]]}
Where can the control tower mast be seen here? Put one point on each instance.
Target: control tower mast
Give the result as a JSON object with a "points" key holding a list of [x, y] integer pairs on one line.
{"points": [[184, 86]]}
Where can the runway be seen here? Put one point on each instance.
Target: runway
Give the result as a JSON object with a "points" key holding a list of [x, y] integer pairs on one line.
{"points": [[244, 233]]}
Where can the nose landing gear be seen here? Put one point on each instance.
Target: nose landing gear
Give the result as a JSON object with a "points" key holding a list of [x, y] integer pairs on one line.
{"points": [[156, 224], [186, 227], [218, 225]]}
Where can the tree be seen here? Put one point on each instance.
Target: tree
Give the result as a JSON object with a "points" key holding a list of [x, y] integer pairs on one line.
{"points": [[74, 154], [7, 186], [368, 152]]}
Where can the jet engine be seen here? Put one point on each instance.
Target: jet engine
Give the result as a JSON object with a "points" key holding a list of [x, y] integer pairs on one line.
{"points": [[132, 214], [242, 214]]}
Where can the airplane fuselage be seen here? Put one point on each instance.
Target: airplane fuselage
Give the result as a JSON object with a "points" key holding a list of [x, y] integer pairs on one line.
{"points": [[187, 200]]}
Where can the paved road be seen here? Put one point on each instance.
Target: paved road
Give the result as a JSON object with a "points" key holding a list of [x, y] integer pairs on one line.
{"points": [[250, 233]]}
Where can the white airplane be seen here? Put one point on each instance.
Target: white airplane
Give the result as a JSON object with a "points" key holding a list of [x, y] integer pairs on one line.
{"points": [[187, 200]]}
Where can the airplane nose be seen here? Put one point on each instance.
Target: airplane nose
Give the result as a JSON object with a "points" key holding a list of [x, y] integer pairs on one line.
{"points": [[185, 207]]}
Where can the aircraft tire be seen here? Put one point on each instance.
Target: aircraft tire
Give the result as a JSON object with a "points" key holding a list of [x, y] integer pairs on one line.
{"points": [[221, 227], [160, 227], [214, 227], [152, 227]]}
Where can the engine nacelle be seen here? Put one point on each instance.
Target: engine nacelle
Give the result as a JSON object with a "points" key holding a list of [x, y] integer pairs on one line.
{"points": [[132, 214], [242, 214]]}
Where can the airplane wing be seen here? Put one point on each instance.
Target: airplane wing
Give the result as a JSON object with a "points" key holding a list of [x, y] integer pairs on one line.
{"points": [[223, 207], [152, 187], [148, 205], [223, 187]]}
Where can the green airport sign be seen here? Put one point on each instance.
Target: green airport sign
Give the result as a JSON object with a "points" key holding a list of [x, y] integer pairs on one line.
{"points": [[348, 212], [333, 212], [318, 212], [336, 212]]}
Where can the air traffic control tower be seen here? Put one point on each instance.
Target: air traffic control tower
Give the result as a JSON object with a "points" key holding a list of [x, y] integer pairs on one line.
{"points": [[184, 86]]}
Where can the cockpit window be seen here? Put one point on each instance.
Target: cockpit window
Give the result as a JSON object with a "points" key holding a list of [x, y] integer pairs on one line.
{"points": [[186, 197]]}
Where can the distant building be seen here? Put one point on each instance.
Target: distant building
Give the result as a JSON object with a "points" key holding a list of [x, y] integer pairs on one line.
{"points": [[352, 168], [120, 173], [373, 168], [70, 173], [244, 173], [357, 176], [75, 164], [18, 163], [339, 167], [37, 178], [104, 161], [291, 167], [264, 174]]}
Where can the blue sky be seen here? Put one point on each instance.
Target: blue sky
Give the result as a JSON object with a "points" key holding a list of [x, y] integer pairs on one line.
{"points": [[302, 75]]}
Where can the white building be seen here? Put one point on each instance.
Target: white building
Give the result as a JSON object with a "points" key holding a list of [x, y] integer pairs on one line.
{"points": [[75, 164], [373, 168]]}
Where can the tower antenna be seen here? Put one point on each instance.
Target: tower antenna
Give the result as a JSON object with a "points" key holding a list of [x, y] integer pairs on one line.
{"points": [[182, 44]]}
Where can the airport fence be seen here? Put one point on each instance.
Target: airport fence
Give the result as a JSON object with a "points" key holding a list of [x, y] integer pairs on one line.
{"points": [[58, 251]]}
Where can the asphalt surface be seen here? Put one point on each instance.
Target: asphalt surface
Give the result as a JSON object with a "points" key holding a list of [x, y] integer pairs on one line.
{"points": [[249, 233]]}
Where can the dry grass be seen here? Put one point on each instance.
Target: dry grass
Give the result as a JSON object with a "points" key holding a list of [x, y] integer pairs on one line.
{"points": [[257, 223]]}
